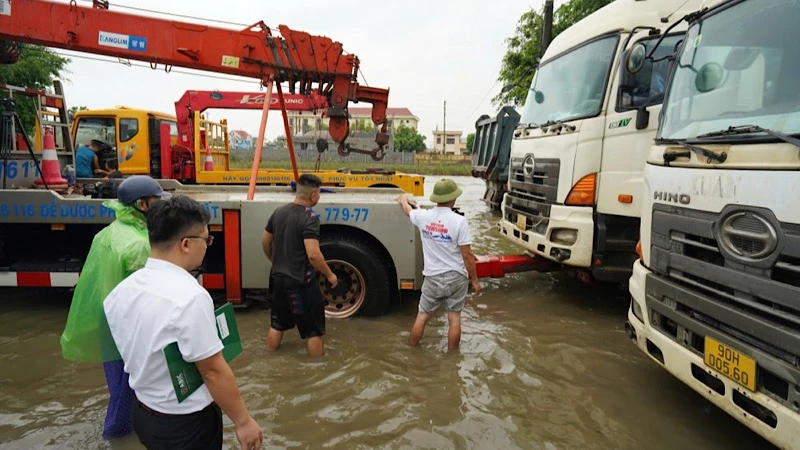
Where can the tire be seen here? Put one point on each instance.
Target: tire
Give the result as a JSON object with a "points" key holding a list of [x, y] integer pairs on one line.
{"points": [[364, 285]]}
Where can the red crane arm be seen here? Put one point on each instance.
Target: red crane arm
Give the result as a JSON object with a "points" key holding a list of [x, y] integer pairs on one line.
{"points": [[304, 61], [198, 101]]}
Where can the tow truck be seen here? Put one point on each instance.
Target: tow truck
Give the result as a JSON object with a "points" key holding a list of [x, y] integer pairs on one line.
{"points": [[198, 150], [47, 232], [46, 229], [716, 290], [577, 148]]}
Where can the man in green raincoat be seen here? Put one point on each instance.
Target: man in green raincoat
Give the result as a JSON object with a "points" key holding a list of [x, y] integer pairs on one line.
{"points": [[117, 251]]}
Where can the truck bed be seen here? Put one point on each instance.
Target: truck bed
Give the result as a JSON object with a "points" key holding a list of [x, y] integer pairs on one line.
{"points": [[43, 225]]}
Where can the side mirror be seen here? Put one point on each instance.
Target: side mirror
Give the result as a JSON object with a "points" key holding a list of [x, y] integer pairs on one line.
{"points": [[633, 61], [642, 118], [635, 58], [709, 77], [627, 79]]}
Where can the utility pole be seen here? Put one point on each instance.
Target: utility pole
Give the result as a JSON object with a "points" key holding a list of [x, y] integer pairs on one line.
{"points": [[547, 32], [444, 128], [435, 133]]}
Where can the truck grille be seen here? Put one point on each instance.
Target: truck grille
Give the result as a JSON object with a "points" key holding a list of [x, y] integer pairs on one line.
{"points": [[745, 264], [533, 192]]}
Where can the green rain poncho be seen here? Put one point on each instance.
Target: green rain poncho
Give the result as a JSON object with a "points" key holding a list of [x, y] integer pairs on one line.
{"points": [[117, 251]]}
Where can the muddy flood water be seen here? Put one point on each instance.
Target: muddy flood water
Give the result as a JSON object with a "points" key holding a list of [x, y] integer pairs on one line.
{"points": [[545, 364]]}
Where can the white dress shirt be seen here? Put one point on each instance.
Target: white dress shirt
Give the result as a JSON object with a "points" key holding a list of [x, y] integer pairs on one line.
{"points": [[154, 307]]}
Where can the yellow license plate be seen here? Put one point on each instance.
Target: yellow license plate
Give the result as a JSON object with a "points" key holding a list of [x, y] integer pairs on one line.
{"points": [[522, 222], [727, 361]]}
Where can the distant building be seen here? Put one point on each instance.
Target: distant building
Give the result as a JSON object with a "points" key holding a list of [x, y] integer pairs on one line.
{"points": [[453, 144], [302, 122], [240, 140]]}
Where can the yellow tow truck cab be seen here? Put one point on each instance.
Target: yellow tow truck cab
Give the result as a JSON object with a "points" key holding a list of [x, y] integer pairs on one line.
{"points": [[134, 138]]}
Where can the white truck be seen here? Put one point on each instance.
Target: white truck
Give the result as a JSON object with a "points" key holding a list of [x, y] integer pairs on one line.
{"points": [[574, 190], [716, 291]]}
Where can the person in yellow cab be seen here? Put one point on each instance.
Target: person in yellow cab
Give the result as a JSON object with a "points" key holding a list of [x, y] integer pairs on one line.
{"points": [[117, 251]]}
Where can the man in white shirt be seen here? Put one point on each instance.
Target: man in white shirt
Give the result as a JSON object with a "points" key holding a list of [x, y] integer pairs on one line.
{"points": [[449, 263], [163, 303]]}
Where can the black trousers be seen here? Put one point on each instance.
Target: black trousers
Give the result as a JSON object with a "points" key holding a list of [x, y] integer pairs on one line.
{"points": [[200, 430]]}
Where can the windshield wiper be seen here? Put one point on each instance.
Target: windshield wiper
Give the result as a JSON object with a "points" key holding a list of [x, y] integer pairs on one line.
{"points": [[557, 125], [747, 129], [672, 156]]}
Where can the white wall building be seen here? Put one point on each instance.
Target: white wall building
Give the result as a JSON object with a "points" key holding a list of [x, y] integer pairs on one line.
{"points": [[453, 144], [301, 122]]}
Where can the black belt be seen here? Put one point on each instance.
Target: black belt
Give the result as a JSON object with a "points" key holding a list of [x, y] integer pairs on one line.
{"points": [[158, 413]]}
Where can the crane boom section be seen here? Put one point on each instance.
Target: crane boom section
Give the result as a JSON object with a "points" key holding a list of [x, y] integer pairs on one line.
{"points": [[304, 61], [193, 101]]}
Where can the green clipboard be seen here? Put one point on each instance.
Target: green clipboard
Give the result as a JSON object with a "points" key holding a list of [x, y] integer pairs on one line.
{"points": [[185, 376]]}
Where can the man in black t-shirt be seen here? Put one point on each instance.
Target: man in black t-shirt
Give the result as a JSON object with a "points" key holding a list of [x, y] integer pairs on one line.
{"points": [[291, 242]]}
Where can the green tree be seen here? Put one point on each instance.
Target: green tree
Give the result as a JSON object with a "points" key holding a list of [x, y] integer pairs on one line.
{"points": [[74, 110], [36, 69], [279, 143], [521, 54], [524, 48], [406, 139], [470, 142], [573, 11], [362, 125]]}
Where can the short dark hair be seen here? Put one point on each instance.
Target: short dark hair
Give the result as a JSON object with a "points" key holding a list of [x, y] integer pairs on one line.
{"points": [[113, 163], [309, 180], [171, 219]]}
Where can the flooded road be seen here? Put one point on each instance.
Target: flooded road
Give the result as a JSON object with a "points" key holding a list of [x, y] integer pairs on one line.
{"points": [[544, 364]]}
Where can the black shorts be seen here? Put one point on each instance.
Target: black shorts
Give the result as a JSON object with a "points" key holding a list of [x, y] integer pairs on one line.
{"points": [[297, 304]]}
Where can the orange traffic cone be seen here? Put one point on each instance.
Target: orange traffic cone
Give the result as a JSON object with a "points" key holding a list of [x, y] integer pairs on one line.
{"points": [[208, 165], [21, 145], [51, 170]]}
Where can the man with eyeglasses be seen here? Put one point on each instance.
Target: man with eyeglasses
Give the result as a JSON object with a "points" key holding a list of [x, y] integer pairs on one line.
{"points": [[163, 303], [117, 251]]}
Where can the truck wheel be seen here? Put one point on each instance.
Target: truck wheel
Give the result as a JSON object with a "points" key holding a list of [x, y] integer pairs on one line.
{"points": [[363, 287]]}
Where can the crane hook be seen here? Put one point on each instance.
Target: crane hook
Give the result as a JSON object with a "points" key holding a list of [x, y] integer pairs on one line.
{"points": [[377, 153]]}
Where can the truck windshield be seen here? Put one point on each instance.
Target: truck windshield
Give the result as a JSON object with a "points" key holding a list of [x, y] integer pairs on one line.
{"points": [[739, 66], [100, 128], [572, 85]]}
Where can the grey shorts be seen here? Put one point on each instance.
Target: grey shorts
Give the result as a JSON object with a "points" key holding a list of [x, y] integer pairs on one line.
{"points": [[449, 288]]}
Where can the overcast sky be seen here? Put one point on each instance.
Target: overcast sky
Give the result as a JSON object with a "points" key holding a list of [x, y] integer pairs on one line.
{"points": [[426, 52]]}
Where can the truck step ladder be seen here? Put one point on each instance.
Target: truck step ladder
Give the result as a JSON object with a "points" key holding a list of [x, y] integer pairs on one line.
{"points": [[19, 166], [51, 111]]}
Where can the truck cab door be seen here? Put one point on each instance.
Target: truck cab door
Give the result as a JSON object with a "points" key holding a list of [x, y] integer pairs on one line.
{"points": [[101, 127], [133, 148], [631, 125]]}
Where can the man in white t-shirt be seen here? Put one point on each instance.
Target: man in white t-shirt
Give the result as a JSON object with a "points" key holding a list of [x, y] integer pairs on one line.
{"points": [[449, 263], [163, 303]]}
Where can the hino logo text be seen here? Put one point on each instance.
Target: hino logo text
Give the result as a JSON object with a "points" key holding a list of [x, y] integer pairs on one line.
{"points": [[672, 197]]}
